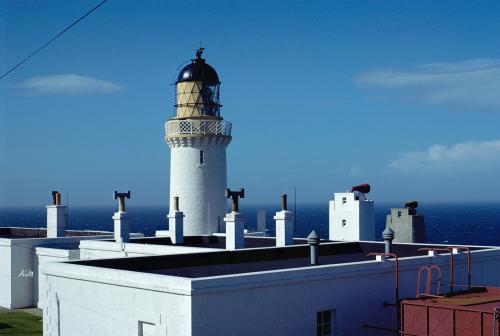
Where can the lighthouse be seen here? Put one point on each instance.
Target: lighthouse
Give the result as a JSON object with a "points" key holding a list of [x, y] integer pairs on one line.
{"points": [[198, 137]]}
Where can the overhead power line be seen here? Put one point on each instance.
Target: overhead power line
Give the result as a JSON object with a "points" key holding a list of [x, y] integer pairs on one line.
{"points": [[52, 39]]}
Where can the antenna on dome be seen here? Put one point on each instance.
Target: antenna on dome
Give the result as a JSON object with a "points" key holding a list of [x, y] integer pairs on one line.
{"points": [[199, 51]]}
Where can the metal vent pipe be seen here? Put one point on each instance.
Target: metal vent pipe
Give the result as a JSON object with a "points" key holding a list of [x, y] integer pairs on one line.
{"points": [[313, 240]]}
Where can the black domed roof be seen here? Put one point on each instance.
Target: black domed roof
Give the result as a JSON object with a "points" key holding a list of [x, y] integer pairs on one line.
{"points": [[198, 70]]}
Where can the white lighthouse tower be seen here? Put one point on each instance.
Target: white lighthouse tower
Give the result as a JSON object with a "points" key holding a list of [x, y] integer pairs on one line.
{"points": [[198, 136]]}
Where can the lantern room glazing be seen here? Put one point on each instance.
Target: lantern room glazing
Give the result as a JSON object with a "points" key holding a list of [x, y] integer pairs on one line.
{"points": [[197, 90]]}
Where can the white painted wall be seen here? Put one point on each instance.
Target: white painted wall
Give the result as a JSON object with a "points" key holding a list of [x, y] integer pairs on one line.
{"points": [[175, 226], [19, 268], [93, 249], [359, 217], [57, 216], [284, 302], [235, 230], [5, 275], [80, 306], [200, 187], [41, 256], [284, 227]]}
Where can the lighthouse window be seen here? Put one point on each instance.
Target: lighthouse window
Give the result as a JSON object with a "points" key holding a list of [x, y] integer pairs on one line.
{"points": [[202, 157], [344, 200], [344, 222]]}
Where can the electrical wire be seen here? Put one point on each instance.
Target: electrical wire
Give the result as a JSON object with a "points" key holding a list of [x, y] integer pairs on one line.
{"points": [[52, 39]]}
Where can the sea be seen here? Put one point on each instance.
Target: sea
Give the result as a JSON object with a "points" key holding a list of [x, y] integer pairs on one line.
{"points": [[451, 223]]}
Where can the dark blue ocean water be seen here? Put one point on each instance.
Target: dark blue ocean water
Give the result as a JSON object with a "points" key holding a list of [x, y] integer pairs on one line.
{"points": [[445, 223]]}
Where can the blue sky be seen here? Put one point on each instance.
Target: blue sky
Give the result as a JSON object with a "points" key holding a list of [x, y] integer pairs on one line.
{"points": [[404, 95]]}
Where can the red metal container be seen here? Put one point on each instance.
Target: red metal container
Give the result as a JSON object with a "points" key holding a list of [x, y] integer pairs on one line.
{"points": [[468, 313]]}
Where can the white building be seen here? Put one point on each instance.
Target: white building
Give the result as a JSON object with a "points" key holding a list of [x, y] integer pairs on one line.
{"points": [[198, 136], [352, 216], [266, 291], [22, 250]]}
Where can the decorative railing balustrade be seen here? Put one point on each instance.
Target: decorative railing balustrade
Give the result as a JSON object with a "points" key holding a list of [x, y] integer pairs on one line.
{"points": [[197, 127]]}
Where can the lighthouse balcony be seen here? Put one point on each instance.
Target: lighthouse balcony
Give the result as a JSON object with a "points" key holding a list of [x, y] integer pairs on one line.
{"points": [[194, 127]]}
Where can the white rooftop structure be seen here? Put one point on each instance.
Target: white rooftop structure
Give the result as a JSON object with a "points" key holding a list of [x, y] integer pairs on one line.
{"points": [[23, 250], [408, 225], [352, 216]]}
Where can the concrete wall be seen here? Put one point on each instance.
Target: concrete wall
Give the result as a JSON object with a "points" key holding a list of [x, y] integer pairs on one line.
{"points": [[407, 228], [285, 302], [351, 219], [200, 187]]}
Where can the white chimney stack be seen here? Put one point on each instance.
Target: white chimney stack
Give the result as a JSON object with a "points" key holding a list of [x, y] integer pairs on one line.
{"points": [[235, 222], [284, 224], [176, 223], [57, 215], [122, 229]]}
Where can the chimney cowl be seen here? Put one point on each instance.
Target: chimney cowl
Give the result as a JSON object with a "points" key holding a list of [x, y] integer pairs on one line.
{"points": [[361, 188], [388, 233], [56, 197], [313, 238], [411, 204]]}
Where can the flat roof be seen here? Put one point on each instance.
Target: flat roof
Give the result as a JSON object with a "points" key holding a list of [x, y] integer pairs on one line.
{"points": [[63, 246], [19, 233], [23, 233], [216, 242], [208, 264], [479, 299]]}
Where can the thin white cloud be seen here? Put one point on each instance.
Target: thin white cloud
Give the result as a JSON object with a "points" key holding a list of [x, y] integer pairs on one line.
{"points": [[472, 84], [67, 84], [468, 156]]}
